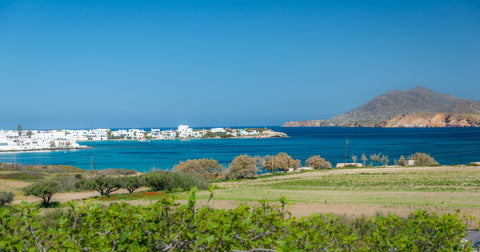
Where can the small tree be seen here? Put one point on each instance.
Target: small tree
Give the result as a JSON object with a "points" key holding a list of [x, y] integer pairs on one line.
{"points": [[354, 159], [104, 185], [423, 159], [242, 166], [402, 161], [132, 183], [375, 158], [44, 190], [205, 168], [317, 162], [282, 161], [384, 160], [5, 198], [29, 134], [364, 159]]}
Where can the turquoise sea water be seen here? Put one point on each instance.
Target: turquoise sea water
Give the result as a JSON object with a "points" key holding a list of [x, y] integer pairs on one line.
{"points": [[446, 145]]}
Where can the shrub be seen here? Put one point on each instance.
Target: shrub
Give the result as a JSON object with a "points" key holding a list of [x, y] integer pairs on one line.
{"points": [[282, 161], [317, 162], [206, 168], [423, 159], [5, 198], [402, 161], [242, 166], [44, 190], [168, 181], [104, 185]]}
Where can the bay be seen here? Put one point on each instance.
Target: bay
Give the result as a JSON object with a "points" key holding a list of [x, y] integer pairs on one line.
{"points": [[446, 145]]}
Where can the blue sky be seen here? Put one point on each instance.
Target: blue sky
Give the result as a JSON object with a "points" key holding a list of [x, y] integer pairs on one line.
{"points": [[74, 64]]}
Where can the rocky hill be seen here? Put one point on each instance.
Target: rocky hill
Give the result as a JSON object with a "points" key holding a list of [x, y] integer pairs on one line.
{"points": [[418, 120], [395, 102]]}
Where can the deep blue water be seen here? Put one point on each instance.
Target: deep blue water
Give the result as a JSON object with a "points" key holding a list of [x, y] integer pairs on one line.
{"points": [[446, 145]]}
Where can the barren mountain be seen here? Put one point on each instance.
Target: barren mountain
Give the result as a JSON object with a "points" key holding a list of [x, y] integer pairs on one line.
{"points": [[396, 102]]}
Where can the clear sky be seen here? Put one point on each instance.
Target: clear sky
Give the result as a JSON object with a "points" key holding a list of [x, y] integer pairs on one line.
{"points": [[81, 64]]}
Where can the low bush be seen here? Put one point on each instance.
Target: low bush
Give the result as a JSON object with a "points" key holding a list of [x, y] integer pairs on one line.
{"points": [[5, 198], [168, 181]]}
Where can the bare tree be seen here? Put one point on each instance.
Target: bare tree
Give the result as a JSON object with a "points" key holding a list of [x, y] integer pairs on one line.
{"points": [[364, 159], [384, 160], [375, 158], [354, 158]]}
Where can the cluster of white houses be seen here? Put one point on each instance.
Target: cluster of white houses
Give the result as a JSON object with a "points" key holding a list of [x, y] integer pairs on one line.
{"points": [[11, 140]]}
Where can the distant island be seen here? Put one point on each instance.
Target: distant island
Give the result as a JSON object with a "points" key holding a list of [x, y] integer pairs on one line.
{"points": [[45, 140], [417, 107]]}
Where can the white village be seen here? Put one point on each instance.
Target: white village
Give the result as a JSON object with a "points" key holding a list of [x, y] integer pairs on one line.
{"points": [[32, 140]]}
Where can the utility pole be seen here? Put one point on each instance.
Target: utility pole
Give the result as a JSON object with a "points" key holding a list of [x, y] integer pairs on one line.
{"points": [[346, 145]]}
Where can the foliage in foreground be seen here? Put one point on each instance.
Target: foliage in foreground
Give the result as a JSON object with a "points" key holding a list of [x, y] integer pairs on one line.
{"points": [[168, 226]]}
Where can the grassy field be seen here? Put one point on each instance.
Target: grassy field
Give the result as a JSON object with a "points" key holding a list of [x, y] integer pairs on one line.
{"points": [[365, 191], [369, 190]]}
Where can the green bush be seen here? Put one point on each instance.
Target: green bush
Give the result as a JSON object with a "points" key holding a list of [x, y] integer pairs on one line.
{"points": [[167, 181], [5, 198], [44, 190]]}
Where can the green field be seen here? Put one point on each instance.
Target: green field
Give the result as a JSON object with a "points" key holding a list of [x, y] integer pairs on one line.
{"points": [[425, 186]]}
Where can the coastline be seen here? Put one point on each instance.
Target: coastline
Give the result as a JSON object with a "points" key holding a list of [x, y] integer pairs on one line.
{"points": [[81, 147]]}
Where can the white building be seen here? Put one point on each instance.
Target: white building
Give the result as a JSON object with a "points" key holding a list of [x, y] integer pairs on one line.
{"points": [[215, 130], [184, 130]]}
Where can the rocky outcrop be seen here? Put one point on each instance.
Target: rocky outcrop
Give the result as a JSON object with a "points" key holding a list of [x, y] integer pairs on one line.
{"points": [[432, 120]]}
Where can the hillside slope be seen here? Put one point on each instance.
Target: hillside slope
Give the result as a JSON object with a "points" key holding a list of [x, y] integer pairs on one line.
{"points": [[395, 102]]}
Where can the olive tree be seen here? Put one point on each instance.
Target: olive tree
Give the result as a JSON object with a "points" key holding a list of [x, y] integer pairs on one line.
{"points": [[206, 168], [242, 166], [44, 190], [132, 183], [317, 162], [282, 161], [104, 185]]}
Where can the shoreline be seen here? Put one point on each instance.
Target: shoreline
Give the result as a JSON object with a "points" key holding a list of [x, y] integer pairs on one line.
{"points": [[47, 149]]}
